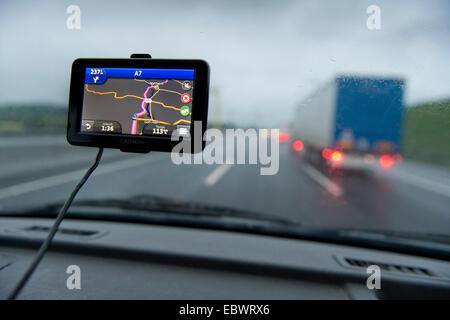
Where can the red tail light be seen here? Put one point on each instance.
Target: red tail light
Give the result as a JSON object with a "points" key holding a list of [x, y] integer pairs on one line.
{"points": [[337, 156], [284, 137], [386, 161], [297, 145], [326, 153]]}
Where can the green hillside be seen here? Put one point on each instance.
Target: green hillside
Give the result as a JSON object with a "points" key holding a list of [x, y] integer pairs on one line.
{"points": [[427, 133], [32, 119]]}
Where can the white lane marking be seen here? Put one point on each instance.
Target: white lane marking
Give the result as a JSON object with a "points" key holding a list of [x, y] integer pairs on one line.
{"points": [[326, 183], [217, 174], [421, 182], [63, 178]]}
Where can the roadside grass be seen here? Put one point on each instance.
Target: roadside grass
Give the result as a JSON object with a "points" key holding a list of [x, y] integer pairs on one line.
{"points": [[32, 119], [427, 133]]}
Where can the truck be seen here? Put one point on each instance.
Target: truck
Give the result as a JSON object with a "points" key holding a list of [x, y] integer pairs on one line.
{"points": [[352, 122]]}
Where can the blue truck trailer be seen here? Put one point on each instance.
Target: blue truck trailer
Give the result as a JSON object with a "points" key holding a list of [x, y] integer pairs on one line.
{"points": [[353, 122]]}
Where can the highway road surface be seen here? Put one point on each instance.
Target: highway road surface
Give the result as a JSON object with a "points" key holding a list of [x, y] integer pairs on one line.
{"points": [[411, 197]]}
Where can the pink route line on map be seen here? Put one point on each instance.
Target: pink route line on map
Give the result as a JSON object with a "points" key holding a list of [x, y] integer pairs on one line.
{"points": [[134, 123]]}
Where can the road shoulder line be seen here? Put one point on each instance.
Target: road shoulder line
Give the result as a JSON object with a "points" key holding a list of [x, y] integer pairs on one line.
{"points": [[323, 181], [59, 179], [218, 173]]}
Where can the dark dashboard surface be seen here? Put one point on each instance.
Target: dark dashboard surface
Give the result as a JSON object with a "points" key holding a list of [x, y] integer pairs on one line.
{"points": [[131, 261]]}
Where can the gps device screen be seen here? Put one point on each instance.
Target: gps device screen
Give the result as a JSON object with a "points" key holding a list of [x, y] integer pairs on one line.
{"points": [[139, 102]]}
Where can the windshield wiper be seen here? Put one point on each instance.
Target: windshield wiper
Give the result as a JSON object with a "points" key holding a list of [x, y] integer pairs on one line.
{"points": [[157, 204], [166, 211]]}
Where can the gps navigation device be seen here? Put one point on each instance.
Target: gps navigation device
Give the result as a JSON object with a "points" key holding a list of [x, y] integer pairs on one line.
{"points": [[138, 105]]}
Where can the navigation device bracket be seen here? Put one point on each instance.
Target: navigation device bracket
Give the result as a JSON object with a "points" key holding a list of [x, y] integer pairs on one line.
{"points": [[140, 56]]}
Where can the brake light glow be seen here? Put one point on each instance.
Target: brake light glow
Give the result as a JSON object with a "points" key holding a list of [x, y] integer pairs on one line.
{"points": [[297, 145], [284, 137], [326, 153], [337, 156], [386, 161]]}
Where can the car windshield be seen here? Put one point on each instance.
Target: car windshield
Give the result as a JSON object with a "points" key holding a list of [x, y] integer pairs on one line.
{"points": [[333, 114]]}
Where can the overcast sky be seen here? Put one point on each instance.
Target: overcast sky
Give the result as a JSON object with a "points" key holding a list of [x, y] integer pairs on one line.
{"points": [[265, 56]]}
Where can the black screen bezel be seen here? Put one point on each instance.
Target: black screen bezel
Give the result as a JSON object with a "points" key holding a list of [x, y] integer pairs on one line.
{"points": [[128, 142]]}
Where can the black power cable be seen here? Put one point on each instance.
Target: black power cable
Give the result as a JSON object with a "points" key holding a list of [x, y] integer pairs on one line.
{"points": [[45, 245]]}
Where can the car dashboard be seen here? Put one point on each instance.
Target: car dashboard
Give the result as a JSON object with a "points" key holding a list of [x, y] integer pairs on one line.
{"points": [[143, 261]]}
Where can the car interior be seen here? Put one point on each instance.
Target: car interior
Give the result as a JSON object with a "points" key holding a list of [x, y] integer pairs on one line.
{"points": [[225, 150]]}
